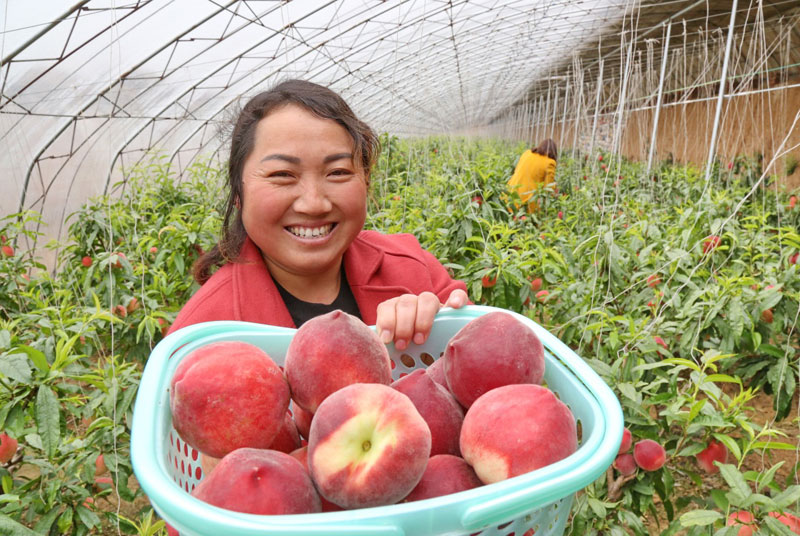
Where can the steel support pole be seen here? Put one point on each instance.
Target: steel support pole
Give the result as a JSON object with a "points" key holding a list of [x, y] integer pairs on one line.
{"points": [[658, 101], [712, 150]]}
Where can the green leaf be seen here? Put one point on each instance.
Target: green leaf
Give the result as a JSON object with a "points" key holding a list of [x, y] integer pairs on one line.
{"points": [[733, 446], [36, 356], [787, 497], [776, 445], [48, 421], [735, 479], [87, 517], [700, 518], [722, 378], [9, 527], [16, 367]]}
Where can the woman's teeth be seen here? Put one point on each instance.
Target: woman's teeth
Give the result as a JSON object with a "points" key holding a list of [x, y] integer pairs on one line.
{"points": [[311, 232]]}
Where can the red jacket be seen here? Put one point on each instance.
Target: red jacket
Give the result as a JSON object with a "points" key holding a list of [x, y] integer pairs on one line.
{"points": [[378, 267]]}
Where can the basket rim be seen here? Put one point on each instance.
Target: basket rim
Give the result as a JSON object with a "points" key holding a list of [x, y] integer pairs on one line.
{"points": [[502, 500]]}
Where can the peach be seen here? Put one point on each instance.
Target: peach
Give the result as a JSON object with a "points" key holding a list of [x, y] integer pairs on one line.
{"points": [[288, 438], [625, 464], [444, 474], [302, 420], [8, 447], [627, 440], [514, 429], [437, 406], [791, 521], [491, 351], [332, 351], [649, 455], [745, 520], [436, 372], [301, 455], [228, 395], [259, 481], [368, 446], [100, 465], [715, 451], [208, 463]]}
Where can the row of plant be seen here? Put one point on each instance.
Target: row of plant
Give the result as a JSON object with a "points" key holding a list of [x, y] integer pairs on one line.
{"points": [[683, 294]]}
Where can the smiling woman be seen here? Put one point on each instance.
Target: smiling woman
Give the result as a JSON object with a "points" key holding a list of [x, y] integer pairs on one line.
{"points": [[293, 245]]}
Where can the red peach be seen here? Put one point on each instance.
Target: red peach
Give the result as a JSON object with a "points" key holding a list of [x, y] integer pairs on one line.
{"points": [[560, 215], [133, 305], [86, 261], [745, 520], [513, 350], [288, 438], [438, 407], [625, 464], [8, 447], [542, 295], [253, 388], [659, 341], [301, 455], [653, 280], [302, 420], [208, 463], [792, 201], [8, 251], [259, 481], [627, 440], [120, 310], [436, 372], [153, 250], [649, 455], [790, 520], [368, 446], [767, 316], [536, 284], [714, 452], [332, 351], [793, 258], [710, 243], [100, 465], [444, 474], [515, 429], [488, 282]]}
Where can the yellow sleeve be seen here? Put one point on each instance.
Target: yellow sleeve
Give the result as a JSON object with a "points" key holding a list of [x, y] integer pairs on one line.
{"points": [[550, 172]]}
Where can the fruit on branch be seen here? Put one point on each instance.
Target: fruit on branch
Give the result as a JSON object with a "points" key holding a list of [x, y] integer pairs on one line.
{"points": [[627, 440], [488, 282], [710, 243], [625, 464], [715, 451], [649, 455], [8, 447], [332, 351]]}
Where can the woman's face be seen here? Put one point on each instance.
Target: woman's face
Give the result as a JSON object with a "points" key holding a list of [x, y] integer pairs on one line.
{"points": [[304, 199]]}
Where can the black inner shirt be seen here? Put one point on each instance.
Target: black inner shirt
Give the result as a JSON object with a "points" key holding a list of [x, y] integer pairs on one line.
{"points": [[303, 311]]}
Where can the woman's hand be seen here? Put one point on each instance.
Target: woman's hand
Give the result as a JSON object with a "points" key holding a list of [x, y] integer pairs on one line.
{"points": [[410, 317]]}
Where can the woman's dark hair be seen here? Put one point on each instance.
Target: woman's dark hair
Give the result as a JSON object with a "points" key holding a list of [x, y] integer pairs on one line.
{"points": [[318, 100], [547, 148]]}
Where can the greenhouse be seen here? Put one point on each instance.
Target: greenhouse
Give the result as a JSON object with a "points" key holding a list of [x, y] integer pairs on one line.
{"points": [[604, 191]]}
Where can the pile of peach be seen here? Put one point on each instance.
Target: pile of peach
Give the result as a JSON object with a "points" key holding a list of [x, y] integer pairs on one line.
{"points": [[478, 415]]}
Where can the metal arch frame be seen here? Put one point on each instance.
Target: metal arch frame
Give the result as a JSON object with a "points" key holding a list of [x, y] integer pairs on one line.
{"points": [[61, 18], [74, 118], [353, 51], [193, 87], [72, 121]]}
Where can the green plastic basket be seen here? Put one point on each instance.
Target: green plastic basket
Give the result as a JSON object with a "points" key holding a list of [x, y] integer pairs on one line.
{"points": [[539, 501]]}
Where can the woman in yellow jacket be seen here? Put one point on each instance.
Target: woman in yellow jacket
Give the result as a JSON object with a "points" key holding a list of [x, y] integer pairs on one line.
{"points": [[536, 169]]}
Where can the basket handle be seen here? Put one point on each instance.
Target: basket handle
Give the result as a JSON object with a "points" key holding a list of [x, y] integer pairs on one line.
{"points": [[515, 504]]}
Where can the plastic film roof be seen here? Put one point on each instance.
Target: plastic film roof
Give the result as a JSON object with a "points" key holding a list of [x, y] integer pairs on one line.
{"points": [[89, 88], [86, 88]]}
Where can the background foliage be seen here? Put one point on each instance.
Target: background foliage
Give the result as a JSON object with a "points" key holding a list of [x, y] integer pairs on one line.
{"points": [[685, 334]]}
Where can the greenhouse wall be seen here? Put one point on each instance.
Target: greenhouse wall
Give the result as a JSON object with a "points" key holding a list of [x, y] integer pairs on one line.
{"points": [[751, 124]]}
